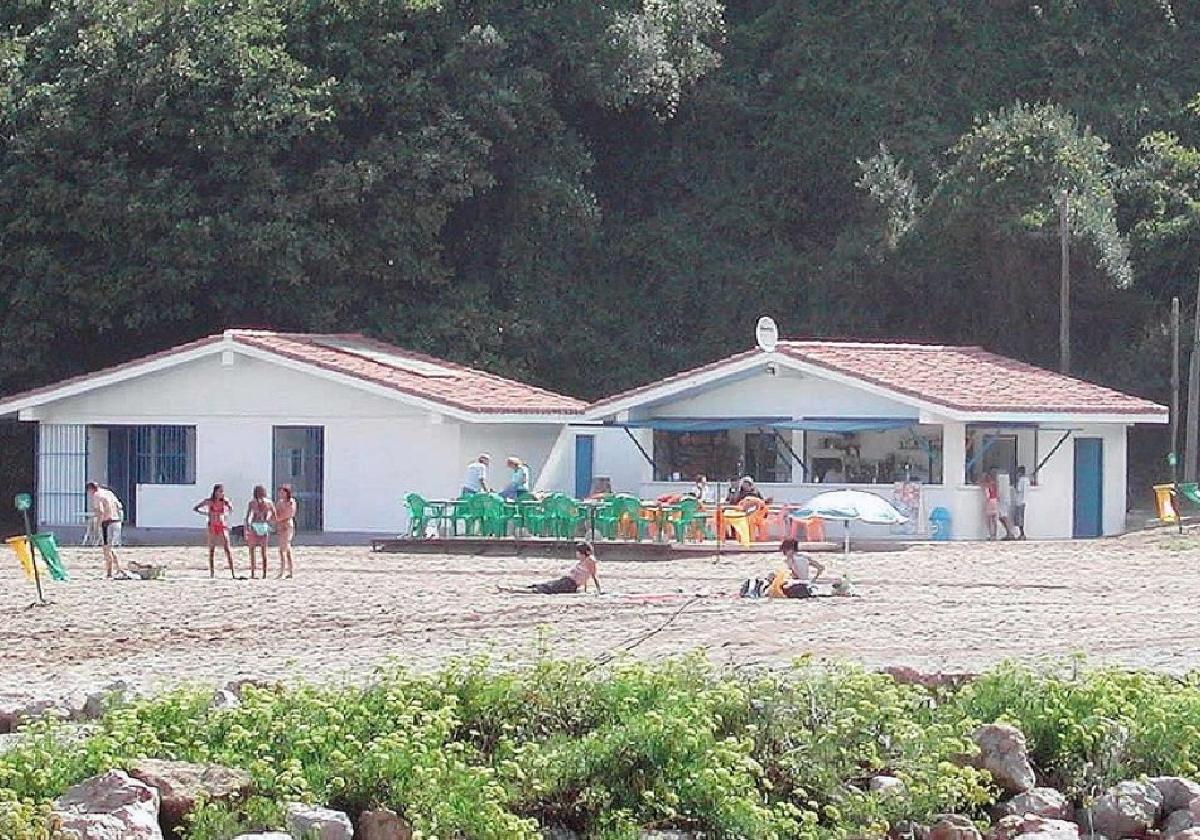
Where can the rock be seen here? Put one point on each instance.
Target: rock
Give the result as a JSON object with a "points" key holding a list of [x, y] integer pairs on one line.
{"points": [[223, 698], [1177, 821], [953, 827], [1129, 809], [383, 824], [98, 702], [1188, 834], [111, 806], [1002, 752], [1040, 801], [1030, 826], [180, 784], [309, 822], [886, 786], [907, 830], [559, 834], [1177, 792], [15, 712]]}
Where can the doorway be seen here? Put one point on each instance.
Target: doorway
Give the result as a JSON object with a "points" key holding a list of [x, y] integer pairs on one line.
{"points": [[585, 461], [1089, 488], [298, 456]]}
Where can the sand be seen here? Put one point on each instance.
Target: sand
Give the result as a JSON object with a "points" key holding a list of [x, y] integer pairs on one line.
{"points": [[951, 607]]}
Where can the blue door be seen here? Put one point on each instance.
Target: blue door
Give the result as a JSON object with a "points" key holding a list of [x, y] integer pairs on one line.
{"points": [[585, 457], [1089, 488]]}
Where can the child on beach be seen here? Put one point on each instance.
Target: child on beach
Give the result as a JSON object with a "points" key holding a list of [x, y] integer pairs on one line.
{"points": [[577, 578], [260, 513], [216, 507], [285, 526]]}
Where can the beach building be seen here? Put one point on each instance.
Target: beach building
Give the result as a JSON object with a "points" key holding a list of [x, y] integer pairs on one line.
{"points": [[352, 424], [917, 424]]}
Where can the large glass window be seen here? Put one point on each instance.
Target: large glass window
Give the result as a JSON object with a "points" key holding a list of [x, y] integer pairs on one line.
{"points": [[722, 456], [875, 457]]}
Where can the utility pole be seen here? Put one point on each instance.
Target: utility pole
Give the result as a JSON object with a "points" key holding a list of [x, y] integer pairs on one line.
{"points": [[1193, 397], [1173, 449], [1064, 296]]}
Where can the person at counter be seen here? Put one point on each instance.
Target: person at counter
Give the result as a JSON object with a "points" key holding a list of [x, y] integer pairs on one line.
{"points": [[744, 489], [834, 475]]}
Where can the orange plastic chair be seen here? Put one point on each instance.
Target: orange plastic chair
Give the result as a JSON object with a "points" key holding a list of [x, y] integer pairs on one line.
{"points": [[756, 518], [736, 519], [811, 528]]}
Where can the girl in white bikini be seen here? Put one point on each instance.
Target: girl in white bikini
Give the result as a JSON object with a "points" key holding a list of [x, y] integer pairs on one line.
{"points": [[285, 526], [260, 513]]}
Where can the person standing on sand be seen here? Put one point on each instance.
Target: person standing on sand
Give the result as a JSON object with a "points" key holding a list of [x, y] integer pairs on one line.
{"points": [[476, 478], [216, 507], [991, 503], [106, 511], [285, 526], [1019, 490], [260, 513]]}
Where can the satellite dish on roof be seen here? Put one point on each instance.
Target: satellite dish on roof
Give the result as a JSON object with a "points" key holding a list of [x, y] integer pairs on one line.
{"points": [[767, 334]]}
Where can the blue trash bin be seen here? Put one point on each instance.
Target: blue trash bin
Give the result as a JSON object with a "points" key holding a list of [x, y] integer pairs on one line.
{"points": [[939, 524]]}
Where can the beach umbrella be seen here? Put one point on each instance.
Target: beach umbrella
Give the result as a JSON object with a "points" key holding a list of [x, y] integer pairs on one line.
{"points": [[848, 506]]}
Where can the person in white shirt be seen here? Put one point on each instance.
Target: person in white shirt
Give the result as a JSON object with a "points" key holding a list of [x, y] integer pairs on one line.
{"points": [[476, 479], [1019, 491], [1004, 497], [106, 511]]}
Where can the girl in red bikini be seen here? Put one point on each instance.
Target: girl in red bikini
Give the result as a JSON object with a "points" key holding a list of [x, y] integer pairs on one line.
{"points": [[216, 507]]}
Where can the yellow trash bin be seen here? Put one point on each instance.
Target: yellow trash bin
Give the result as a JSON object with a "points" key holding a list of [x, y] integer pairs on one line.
{"points": [[20, 546], [1164, 502]]}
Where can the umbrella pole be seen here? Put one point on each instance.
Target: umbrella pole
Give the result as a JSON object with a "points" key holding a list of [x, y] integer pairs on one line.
{"points": [[846, 546]]}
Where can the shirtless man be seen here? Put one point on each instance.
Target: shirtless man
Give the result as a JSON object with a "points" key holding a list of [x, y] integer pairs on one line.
{"points": [[106, 511]]}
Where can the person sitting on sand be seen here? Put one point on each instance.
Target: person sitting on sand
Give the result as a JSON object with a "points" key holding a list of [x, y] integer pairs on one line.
{"points": [[577, 578], [260, 513], [216, 507], [792, 581]]}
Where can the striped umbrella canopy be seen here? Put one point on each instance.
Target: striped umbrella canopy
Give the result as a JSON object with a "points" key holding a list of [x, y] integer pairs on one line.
{"points": [[848, 506]]}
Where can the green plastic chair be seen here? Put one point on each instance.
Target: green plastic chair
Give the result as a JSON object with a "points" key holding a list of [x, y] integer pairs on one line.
{"points": [[530, 512], [687, 514], [563, 515], [420, 514], [488, 515], [622, 507]]}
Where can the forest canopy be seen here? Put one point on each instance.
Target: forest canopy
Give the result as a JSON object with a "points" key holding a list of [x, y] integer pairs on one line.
{"points": [[589, 195]]}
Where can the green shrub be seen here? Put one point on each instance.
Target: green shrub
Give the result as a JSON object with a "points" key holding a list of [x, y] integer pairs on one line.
{"points": [[487, 754]]}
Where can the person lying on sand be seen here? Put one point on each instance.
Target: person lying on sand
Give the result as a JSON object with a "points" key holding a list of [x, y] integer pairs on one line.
{"points": [[575, 579]]}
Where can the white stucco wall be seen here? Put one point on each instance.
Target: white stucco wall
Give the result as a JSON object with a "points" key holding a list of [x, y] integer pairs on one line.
{"points": [[376, 449], [789, 393], [529, 442]]}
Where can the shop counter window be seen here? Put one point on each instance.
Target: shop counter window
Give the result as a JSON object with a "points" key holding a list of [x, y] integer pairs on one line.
{"points": [[875, 457]]}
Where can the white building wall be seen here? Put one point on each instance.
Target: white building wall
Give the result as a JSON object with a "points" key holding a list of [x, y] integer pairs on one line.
{"points": [[530, 442], [376, 449], [789, 393]]}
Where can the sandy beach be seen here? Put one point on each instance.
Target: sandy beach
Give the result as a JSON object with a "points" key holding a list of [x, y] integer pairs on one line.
{"points": [[950, 607]]}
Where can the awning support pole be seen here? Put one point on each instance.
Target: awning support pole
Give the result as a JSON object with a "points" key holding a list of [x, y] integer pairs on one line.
{"points": [[641, 448], [1050, 454], [790, 450]]}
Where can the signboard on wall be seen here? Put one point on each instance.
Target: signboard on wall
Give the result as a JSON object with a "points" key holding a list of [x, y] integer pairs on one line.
{"points": [[906, 498]]}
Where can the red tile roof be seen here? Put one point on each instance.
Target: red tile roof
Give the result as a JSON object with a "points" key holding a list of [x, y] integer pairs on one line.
{"points": [[968, 379], [375, 362], [412, 373]]}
